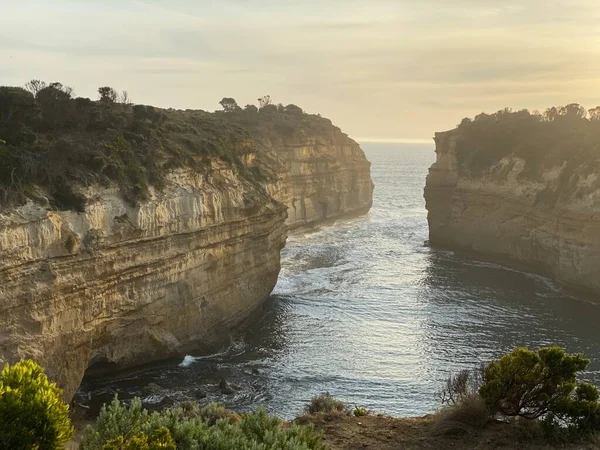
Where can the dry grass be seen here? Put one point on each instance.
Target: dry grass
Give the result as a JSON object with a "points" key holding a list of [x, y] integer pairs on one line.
{"points": [[325, 403], [343, 432], [469, 415]]}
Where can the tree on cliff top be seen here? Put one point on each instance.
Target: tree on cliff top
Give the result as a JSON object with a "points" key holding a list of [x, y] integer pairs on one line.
{"points": [[108, 94], [229, 104], [561, 134], [32, 413], [264, 101]]}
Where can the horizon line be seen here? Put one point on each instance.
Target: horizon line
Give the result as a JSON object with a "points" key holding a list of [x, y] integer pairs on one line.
{"points": [[395, 140]]}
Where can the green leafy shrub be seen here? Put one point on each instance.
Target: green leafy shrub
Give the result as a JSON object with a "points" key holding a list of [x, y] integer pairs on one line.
{"points": [[531, 384], [324, 403], [210, 413], [32, 413], [130, 427], [359, 411], [523, 386], [160, 439]]}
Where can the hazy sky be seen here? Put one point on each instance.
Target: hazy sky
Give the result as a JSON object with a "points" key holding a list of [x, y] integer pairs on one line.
{"points": [[377, 68]]}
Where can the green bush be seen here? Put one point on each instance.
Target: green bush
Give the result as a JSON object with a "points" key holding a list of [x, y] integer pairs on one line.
{"points": [[531, 384], [210, 428], [210, 413], [359, 411], [523, 386], [32, 413], [160, 439], [324, 403]]}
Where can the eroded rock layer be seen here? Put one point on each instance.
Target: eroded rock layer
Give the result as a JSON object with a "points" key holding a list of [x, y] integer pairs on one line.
{"points": [[502, 215], [120, 285], [322, 179]]}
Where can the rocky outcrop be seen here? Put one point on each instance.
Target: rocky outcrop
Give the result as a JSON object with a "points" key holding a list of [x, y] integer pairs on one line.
{"points": [[505, 216], [322, 179], [121, 285]]}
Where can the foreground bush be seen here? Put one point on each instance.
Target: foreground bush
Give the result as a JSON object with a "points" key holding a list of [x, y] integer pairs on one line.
{"points": [[523, 386], [531, 384], [160, 439], [212, 427], [32, 413]]}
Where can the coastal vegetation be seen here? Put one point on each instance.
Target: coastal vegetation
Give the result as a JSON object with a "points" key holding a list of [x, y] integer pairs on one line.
{"points": [[536, 394], [32, 413], [191, 427], [53, 143], [565, 135], [540, 387]]}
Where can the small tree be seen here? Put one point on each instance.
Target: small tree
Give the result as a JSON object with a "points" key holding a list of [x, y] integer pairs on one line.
{"points": [[551, 113], [572, 111], [294, 110], [35, 86], [264, 101], [16, 105], [594, 114], [32, 413], [108, 94], [229, 104], [124, 98], [531, 384]]}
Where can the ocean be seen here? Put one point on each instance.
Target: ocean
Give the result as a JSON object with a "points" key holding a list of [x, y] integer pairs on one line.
{"points": [[367, 311]]}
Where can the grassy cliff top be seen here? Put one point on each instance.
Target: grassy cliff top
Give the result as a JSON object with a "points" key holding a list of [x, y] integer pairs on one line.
{"points": [[568, 134], [49, 139]]}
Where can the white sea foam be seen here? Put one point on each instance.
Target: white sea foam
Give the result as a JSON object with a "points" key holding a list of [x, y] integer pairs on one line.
{"points": [[187, 361]]}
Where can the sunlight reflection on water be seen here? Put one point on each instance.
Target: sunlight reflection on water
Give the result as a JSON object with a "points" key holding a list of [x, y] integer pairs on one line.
{"points": [[366, 311]]}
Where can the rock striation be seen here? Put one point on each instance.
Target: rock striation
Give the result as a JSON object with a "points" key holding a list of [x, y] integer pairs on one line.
{"points": [[120, 285], [322, 179], [500, 214]]}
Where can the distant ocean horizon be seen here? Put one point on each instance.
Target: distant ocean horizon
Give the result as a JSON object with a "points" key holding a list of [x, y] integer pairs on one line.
{"points": [[393, 140]]}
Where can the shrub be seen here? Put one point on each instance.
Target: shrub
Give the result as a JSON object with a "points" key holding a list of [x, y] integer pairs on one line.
{"points": [[461, 386], [115, 420], [210, 413], [160, 439], [130, 427], [359, 411], [521, 387], [324, 403], [32, 413], [467, 414], [531, 384]]}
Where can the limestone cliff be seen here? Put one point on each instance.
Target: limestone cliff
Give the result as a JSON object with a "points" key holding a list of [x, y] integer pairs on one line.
{"points": [[123, 283], [549, 223], [322, 179]]}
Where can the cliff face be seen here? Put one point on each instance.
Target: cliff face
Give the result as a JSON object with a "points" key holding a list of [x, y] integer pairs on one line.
{"points": [[503, 215], [323, 179], [120, 285]]}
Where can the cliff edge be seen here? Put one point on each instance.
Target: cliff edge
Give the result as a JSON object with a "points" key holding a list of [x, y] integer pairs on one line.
{"points": [[130, 233], [522, 189]]}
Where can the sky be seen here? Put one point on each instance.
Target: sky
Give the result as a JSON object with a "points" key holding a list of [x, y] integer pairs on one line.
{"points": [[379, 69]]}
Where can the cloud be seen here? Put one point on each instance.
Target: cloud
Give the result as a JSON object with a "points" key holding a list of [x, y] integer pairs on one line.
{"points": [[385, 68]]}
